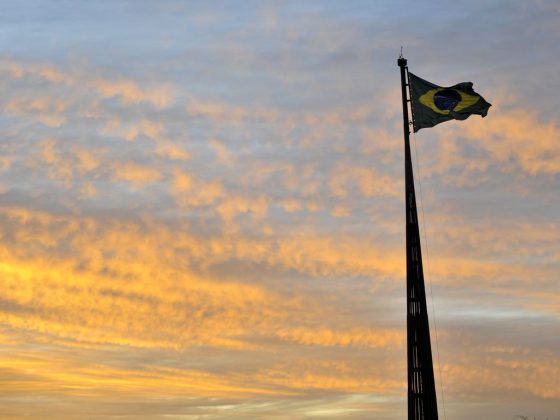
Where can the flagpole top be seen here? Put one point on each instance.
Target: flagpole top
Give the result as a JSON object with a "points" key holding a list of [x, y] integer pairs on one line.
{"points": [[402, 61]]}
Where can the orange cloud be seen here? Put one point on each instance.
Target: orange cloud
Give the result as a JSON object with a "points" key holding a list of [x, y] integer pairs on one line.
{"points": [[223, 154], [519, 134], [511, 138], [87, 160], [369, 181], [119, 283], [47, 110], [138, 175], [130, 92], [510, 372], [39, 373], [361, 337], [329, 375]]}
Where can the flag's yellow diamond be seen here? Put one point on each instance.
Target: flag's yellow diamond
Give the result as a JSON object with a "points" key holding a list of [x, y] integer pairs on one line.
{"points": [[445, 100]]}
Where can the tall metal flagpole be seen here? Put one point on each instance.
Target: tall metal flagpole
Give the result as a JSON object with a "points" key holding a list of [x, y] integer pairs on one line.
{"points": [[422, 403]]}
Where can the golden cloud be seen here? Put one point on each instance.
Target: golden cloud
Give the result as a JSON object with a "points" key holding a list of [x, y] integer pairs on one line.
{"points": [[136, 174]]}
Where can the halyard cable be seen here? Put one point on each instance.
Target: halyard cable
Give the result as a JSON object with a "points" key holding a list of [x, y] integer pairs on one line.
{"points": [[429, 272]]}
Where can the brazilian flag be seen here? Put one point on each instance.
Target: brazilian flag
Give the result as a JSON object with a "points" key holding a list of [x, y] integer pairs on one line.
{"points": [[432, 104]]}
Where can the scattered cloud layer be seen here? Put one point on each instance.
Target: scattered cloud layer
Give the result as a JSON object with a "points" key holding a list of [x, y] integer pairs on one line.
{"points": [[201, 211]]}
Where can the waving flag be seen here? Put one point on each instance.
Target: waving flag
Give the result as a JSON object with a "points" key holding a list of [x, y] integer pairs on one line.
{"points": [[432, 104]]}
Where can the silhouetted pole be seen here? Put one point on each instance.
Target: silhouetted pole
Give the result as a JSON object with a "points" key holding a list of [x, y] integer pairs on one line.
{"points": [[422, 403]]}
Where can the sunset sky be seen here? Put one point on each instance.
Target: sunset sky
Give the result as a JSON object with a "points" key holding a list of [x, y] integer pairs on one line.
{"points": [[202, 209]]}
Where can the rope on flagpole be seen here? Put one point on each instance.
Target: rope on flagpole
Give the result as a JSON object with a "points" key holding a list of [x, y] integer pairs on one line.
{"points": [[429, 272]]}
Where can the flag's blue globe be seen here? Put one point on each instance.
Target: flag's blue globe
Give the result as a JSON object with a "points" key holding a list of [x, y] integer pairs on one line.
{"points": [[447, 99]]}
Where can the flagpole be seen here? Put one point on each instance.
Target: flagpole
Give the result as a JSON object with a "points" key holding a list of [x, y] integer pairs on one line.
{"points": [[422, 403]]}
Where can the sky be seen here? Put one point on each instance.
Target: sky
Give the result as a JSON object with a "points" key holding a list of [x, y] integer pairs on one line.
{"points": [[202, 209]]}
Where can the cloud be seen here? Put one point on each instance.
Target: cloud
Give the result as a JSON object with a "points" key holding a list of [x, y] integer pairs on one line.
{"points": [[330, 375], [513, 141], [70, 377], [87, 160], [369, 181], [122, 285], [130, 92], [350, 337], [520, 135], [504, 373], [112, 282], [49, 111], [58, 167], [223, 155], [138, 175]]}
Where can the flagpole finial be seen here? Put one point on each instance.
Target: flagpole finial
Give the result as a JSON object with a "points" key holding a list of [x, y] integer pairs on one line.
{"points": [[401, 61]]}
